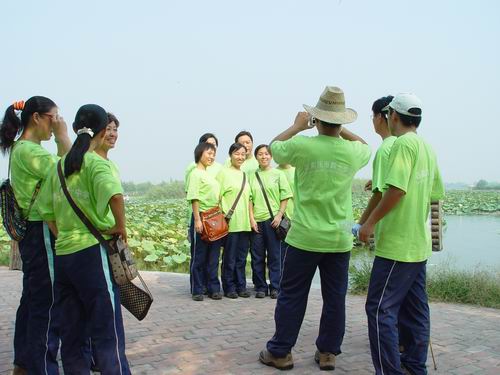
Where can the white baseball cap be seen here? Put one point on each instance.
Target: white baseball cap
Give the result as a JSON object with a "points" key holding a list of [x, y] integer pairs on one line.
{"points": [[404, 102]]}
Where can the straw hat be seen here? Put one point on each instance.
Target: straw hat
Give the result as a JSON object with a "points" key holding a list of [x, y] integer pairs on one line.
{"points": [[331, 107]]}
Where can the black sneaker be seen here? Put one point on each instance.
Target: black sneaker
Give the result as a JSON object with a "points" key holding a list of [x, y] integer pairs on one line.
{"points": [[260, 294], [274, 294], [216, 295], [244, 294], [231, 295], [197, 297]]}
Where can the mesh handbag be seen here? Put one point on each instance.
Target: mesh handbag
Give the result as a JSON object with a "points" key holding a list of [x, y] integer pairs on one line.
{"points": [[12, 217], [136, 300]]}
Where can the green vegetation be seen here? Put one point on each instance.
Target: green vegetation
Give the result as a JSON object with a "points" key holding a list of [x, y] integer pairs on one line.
{"points": [[445, 284], [486, 185]]}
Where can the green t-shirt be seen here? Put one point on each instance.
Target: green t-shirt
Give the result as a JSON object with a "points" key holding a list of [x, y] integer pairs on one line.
{"points": [[248, 166], [204, 188], [404, 233], [230, 180], [290, 175], [30, 163], [91, 188], [380, 165], [213, 170], [277, 189], [324, 170]]}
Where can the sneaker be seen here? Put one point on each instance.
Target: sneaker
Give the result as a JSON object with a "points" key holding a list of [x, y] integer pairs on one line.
{"points": [[274, 294], [260, 294], [244, 294], [197, 297], [231, 295], [285, 363], [325, 360], [217, 295]]}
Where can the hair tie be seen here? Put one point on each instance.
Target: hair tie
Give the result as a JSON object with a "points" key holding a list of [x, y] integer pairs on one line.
{"points": [[18, 106], [85, 131]]}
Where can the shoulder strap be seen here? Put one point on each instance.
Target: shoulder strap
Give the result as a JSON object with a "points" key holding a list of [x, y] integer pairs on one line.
{"points": [[231, 211], [80, 213], [37, 187], [265, 195]]}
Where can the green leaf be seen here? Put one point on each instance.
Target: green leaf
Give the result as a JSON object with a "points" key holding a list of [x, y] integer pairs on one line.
{"points": [[179, 258], [151, 258]]}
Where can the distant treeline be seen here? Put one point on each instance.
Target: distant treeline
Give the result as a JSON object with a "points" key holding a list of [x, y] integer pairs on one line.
{"points": [[175, 189], [163, 190], [486, 185]]}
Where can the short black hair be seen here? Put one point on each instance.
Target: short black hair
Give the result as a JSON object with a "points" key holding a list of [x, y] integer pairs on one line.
{"points": [[328, 124], [262, 146], [242, 133], [408, 120], [235, 147], [201, 148], [381, 103], [112, 118], [206, 136]]}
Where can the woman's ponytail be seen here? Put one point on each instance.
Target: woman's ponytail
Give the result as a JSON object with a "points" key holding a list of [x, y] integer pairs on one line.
{"points": [[12, 125], [10, 128], [90, 120]]}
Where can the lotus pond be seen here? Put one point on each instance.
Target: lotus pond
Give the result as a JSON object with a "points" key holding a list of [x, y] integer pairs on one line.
{"points": [[158, 234]]}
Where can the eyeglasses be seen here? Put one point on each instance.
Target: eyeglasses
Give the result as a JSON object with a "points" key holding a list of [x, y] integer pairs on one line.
{"points": [[51, 115]]}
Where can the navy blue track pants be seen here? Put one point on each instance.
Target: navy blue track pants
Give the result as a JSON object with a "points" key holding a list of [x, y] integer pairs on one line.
{"points": [[234, 262], [204, 264], [397, 309], [298, 271], [36, 337], [90, 304], [265, 246]]}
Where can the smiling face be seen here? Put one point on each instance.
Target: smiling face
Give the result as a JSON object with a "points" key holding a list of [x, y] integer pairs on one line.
{"points": [[238, 157], [207, 158], [263, 157], [246, 141], [111, 136]]}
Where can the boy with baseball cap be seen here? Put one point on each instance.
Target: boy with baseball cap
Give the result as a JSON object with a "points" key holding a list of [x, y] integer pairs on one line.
{"points": [[397, 296]]}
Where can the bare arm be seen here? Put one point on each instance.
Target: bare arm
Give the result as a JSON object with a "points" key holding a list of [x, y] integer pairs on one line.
{"points": [[301, 123], [53, 227], [253, 223], [390, 199], [198, 226], [118, 209], [350, 136], [279, 216], [61, 136], [374, 201]]}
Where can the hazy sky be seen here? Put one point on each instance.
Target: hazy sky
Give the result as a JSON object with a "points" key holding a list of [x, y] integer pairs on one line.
{"points": [[172, 70]]}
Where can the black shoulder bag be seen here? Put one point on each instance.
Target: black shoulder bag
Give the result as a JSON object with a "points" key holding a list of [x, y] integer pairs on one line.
{"points": [[282, 229], [14, 222], [133, 298]]}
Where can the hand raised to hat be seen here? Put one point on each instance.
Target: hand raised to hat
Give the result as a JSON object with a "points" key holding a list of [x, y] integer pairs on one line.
{"points": [[301, 122]]}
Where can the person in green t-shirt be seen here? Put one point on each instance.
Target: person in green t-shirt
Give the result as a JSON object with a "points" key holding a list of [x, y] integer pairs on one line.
{"points": [[234, 258], [397, 297], [289, 172], [381, 160], [90, 298], [320, 235], [250, 164], [36, 340], [267, 215], [213, 170], [203, 193]]}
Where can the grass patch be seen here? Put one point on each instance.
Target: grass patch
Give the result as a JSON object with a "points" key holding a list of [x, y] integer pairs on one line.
{"points": [[445, 284], [4, 255]]}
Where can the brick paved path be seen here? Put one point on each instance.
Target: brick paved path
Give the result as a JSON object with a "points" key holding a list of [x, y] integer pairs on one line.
{"points": [[181, 336]]}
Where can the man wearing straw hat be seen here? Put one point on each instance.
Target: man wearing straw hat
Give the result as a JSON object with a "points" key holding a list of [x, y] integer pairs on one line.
{"points": [[320, 231], [397, 298]]}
